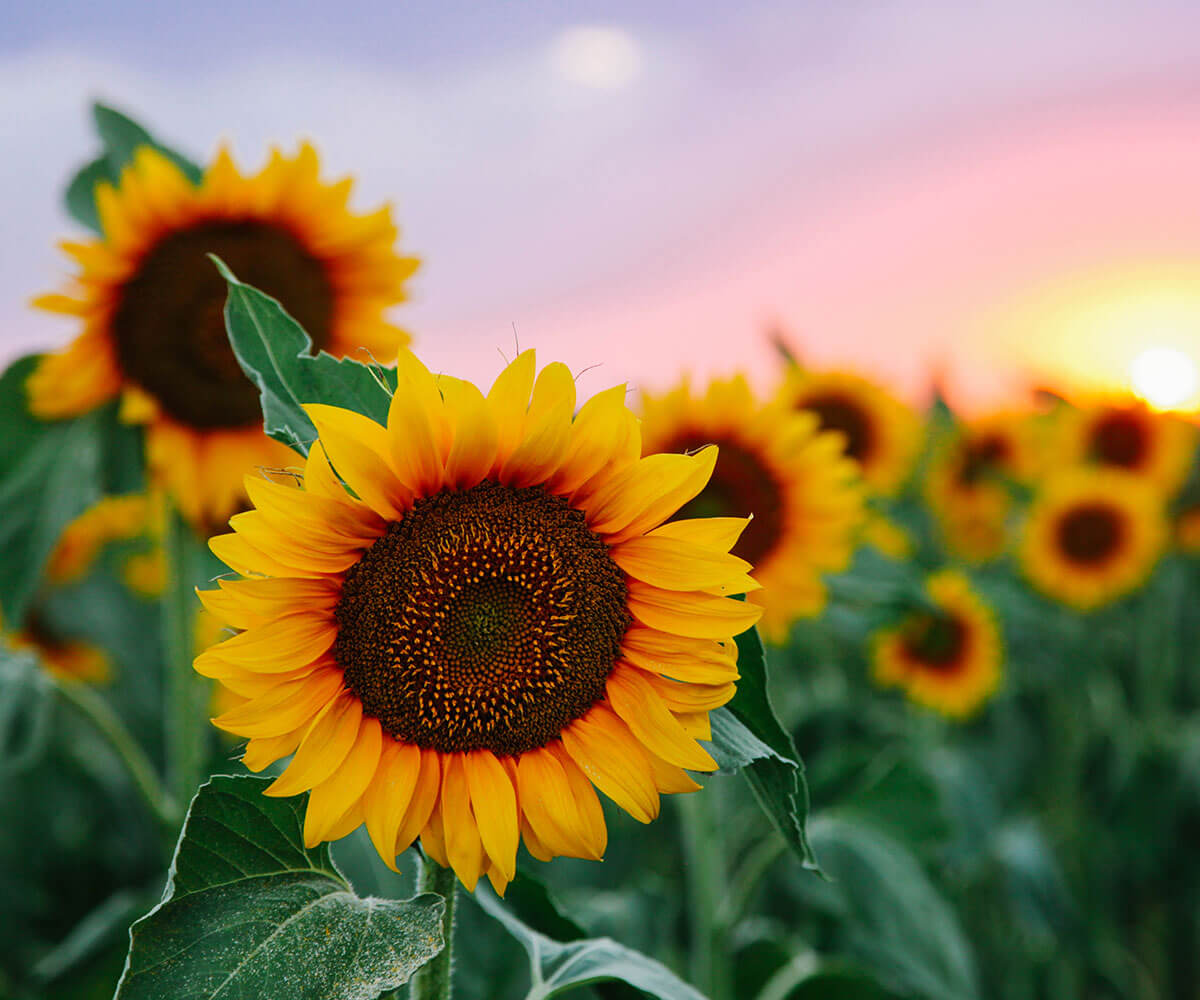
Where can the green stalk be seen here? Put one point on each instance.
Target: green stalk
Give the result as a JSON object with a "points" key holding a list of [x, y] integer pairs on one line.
{"points": [[704, 869], [110, 726], [434, 980], [186, 693]]}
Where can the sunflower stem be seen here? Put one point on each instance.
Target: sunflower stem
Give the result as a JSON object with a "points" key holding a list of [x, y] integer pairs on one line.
{"points": [[704, 865], [186, 693], [89, 704], [434, 980]]}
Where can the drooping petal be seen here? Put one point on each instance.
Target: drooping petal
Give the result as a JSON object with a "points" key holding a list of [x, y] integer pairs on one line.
{"points": [[494, 804], [323, 749], [611, 756], [332, 798], [637, 703], [387, 797]]}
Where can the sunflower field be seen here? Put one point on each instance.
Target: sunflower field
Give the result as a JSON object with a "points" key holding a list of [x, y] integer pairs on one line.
{"points": [[327, 675]]}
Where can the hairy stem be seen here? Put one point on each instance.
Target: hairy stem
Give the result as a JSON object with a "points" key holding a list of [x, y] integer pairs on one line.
{"points": [[434, 980]]}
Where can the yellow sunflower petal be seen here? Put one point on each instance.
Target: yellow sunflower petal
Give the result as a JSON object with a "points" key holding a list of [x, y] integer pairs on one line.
{"points": [[494, 803], [634, 699], [387, 797], [645, 496], [508, 400], [612, 758], [357, 447], [324, 747], [677, 565], [333, 797], [464, 849], [473, 452], [699, 616]]}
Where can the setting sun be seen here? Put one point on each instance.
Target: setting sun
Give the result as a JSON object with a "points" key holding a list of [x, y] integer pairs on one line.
{"points": [[1164, 377]]}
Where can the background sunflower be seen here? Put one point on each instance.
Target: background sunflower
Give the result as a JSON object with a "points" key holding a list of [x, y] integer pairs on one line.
{"points": [[150, 304], [775, 466]]}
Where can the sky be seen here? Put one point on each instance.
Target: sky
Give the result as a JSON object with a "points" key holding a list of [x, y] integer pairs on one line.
{"points": [[991, 194]]}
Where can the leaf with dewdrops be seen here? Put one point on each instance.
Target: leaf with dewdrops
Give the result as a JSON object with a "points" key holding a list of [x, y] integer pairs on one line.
{"points": [[249, 912], [276, 355]]}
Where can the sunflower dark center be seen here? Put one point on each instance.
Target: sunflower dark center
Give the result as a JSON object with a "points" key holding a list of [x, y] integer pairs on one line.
{"points": [[740, 485], [169, 324], [1090, 534], [487, 618], [1119, 438], [981, 457], [839, 413], [938, 641]]}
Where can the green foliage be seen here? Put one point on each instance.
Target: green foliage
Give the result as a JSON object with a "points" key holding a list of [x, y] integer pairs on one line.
{"points": [[50, 472], [250, 912], [747, 736], [120, 137], [556, 968], [25, 706], [276, 355], [896, 922]]}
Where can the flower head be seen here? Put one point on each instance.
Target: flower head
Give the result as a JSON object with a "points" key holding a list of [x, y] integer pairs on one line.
{"points": [[946, 656], [804, 496], [1093, 535], [149, 304], [492, 621]]}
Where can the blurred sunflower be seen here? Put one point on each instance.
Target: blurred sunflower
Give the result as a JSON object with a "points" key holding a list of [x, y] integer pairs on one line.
{"points": [[494, 621], [970, 478], [946, 656], [1093, 535], [1126, 434], [150, 305], [67, 659], [1187, 530], [880, 433], [886, 536], [775, 465], [111, 519]]}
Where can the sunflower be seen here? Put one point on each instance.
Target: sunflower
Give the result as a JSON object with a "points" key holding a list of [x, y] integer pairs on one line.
{"points": [[495, 620], [946, 656], [886, 536], [880, 433], [67, 659], [111, 519], [804, 496], [150, 306], [1093, 535], [1126, 434], [1187, 530], [968, 485]]}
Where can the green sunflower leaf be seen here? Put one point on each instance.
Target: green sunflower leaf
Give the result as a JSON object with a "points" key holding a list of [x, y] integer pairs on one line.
{"points": [[747, 736], [276, 355], [895, 921], [249, 912], [25, 707], [560, 967], [50, 472], [120, 136]]}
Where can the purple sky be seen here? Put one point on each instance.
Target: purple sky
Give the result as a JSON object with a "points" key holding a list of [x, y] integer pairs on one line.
{"points": [[992, 191]]}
